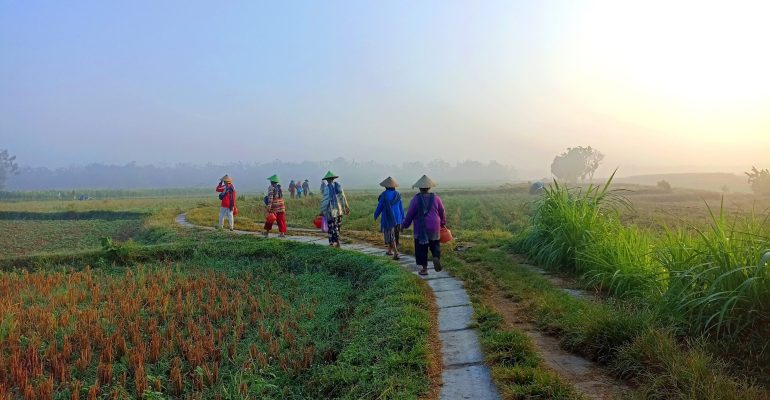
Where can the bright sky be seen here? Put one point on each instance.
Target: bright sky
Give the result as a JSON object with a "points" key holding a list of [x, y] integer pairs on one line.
{"points": [[653, 84]]}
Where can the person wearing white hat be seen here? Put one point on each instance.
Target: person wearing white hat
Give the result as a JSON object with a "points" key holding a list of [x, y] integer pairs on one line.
{"points": [[391, 208], [427, 212]]}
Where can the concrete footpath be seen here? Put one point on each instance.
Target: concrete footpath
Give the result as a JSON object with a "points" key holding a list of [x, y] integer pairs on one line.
{"points": [[465, 376]]}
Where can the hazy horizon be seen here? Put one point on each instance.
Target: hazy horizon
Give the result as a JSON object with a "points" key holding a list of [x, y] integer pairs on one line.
{"points": [[657, 87]]}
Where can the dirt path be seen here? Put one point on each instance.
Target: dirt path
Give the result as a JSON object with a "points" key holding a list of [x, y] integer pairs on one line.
{"points": [[463, 372], [588, 378]]}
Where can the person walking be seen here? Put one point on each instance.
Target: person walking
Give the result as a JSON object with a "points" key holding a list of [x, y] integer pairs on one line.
{"points": [[306, 188], [227, 205], [300, 192], [427, 212], [334, 205], [391, 208], [274, 204], [292, 188]]}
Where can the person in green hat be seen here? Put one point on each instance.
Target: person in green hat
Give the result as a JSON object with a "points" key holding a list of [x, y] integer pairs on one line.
{"points": [[274, 204], [334, 205]]}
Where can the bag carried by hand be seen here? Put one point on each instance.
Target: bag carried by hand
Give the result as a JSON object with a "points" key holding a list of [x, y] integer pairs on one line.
{"points": [[445, 236], [271, 218], [318, 221]]}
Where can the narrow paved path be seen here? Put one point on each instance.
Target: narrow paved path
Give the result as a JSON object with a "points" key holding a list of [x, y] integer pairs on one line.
{"points": [[465, 375]]}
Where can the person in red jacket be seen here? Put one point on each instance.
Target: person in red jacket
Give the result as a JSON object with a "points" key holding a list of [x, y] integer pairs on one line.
{"points": [[227, 206]]}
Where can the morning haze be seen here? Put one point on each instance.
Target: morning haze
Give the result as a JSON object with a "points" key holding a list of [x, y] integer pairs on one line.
{"points": [[516, 82]]}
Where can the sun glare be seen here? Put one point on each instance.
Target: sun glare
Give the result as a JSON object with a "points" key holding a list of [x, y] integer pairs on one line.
{"points": [[687, 65]]}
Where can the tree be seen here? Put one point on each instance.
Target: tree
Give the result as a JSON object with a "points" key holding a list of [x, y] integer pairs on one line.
{"points": [[759, 180], [8, 167], [576, 163], [664, 185]]}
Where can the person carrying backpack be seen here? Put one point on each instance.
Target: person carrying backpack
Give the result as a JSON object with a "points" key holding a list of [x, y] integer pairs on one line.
{"points": [[392, 210], [427, 212], [274, 204], [227, 197]]}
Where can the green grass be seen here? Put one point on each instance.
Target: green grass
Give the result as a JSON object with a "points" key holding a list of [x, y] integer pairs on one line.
{"points": [[369, 328], [626, 336], [706, 278]]}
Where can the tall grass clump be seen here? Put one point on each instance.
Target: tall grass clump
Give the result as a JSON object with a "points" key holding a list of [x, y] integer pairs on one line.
{"points": [[579, 231], [709, 280], [718, 281]]}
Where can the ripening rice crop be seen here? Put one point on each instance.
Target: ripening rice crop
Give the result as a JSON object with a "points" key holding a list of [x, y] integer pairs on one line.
{"points": [[149, 330]]}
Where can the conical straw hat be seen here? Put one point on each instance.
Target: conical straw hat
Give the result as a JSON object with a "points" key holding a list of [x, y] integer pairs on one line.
{"points": [[274, 178], [226, 178], [330, 175], [424, 183], [389, 182]]}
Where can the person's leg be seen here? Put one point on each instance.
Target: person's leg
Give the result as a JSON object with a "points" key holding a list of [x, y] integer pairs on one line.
{"points": [[435, 250], [331, 224], [281, 223], [334, 231], [339, 229], [387, 236], [421, 255], [231, 218], [396, 238], [222, 211]]}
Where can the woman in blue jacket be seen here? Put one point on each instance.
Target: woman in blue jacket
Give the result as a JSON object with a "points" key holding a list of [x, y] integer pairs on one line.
{"points": [[392, 211]]}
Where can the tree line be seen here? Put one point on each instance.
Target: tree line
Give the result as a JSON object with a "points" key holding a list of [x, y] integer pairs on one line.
{"points": [[250, 177]]}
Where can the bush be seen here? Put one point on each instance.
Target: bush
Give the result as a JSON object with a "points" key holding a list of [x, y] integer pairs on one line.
{"points": [[664, 185], [759, 180]]}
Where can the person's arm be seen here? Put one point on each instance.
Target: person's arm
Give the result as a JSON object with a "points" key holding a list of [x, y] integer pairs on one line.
{"points": [[441, 213], [401, 207], [345, 205], [270, 195], [410, 214], [379, 208]]}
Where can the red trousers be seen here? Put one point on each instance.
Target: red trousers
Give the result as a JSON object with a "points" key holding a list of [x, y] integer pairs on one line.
{"points": [[281, 220]]}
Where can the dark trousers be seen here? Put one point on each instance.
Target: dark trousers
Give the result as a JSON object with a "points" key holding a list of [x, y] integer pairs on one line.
{"points": [[421, 251]]}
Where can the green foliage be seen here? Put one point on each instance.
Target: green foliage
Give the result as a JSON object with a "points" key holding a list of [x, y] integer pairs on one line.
{"points": [[708, 279], [664, 185], [576, 163], [628, 336], [117, 253]]}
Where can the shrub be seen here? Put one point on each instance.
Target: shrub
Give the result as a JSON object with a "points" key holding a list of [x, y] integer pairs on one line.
{"points": [[664, 185]]}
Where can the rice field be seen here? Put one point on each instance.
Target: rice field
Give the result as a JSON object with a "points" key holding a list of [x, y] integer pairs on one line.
{"points": [[222, 325]]}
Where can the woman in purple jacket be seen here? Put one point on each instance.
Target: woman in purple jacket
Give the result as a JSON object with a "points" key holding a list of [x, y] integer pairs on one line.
{"points": [[427, 212]]}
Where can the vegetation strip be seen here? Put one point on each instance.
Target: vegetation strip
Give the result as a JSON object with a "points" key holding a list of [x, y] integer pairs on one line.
{"points": [[687, 314], [465, 375]]}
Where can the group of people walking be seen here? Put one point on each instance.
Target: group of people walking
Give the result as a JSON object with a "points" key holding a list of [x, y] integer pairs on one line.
{"points": [[299, 189], [426, 212]]}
